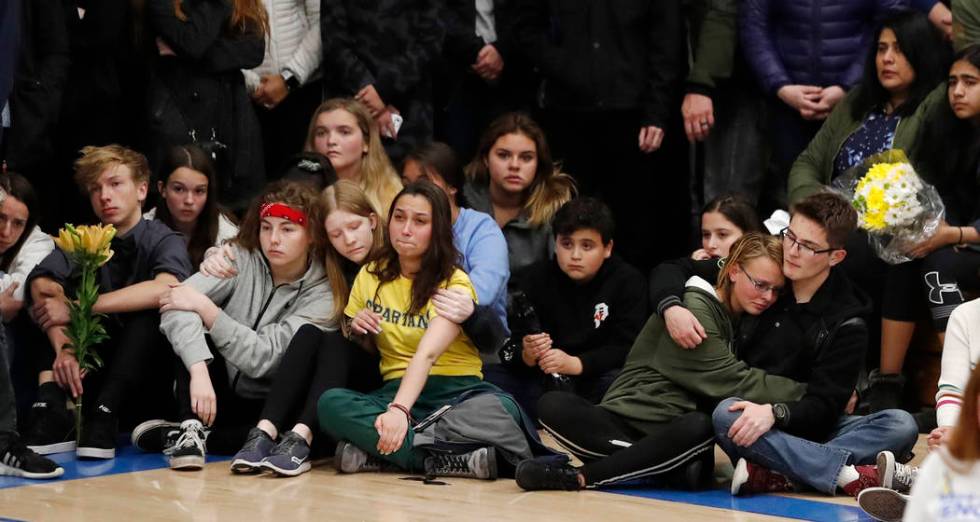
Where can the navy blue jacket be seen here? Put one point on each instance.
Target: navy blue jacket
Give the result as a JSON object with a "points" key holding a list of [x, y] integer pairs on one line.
{"points": [[810, 42]]}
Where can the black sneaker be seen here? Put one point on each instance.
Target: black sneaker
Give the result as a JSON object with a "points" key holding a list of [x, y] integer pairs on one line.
{"points": [[290, 457], [51, 428], [156, 436], [189, 452], [16, 460], [98, 437], [480, 464], [257, 446], [551, 472]]}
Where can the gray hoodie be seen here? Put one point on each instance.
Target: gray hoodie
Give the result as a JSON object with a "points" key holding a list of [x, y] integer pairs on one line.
{"points": [[256, 323]]}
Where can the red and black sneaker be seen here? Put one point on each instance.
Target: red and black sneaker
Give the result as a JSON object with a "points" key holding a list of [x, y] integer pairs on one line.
{"points": [[752, 478], [867, 478]]}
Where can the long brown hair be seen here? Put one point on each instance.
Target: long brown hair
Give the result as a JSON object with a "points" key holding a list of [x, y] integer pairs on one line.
{"points": [[206, 228], [550, 189], [246, 16], [439, 261], [296, 195], [964, 444], [378, 177], [17, 186], [743, 250], [347, 196]]}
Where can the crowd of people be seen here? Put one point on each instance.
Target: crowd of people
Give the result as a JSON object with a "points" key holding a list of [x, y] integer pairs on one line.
{"points": [[411, 234]]}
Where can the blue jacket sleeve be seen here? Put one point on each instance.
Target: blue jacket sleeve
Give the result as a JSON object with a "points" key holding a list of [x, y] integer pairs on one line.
{"points": [[760, 51], [487, 255]]}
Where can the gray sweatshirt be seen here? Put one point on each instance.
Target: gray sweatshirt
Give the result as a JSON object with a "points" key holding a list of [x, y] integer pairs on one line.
{"points": [[256, 323]]}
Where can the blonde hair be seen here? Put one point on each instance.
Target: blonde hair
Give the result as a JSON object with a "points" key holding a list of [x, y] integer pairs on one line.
{"points": [[379, 180], [347, 196], [550, 188], [95, 160], [743, 250]]}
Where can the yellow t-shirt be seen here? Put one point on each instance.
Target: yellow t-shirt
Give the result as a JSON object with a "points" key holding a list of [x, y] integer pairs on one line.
{"points": [[401, 332]]}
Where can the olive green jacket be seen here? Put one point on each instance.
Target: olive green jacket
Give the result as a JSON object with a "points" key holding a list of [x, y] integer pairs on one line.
{"points": [[662, 381], [712, 42], [966, 23], [814, 167]]}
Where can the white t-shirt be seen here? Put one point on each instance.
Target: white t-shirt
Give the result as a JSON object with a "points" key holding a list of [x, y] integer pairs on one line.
{"points": [[950, 493], [36, 247]]}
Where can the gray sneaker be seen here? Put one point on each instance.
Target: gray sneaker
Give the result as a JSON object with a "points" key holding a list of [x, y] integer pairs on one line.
{"points": [[883, 504], [479, 464], [893, 475], [290, 457], [350, 459], [257, 446]]}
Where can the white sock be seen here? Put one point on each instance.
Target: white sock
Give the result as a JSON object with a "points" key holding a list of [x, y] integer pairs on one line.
{"points": [[847, 475]]}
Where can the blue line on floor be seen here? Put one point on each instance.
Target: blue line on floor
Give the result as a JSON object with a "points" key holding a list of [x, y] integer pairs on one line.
{"points": [[128, 460], [760, 504]]}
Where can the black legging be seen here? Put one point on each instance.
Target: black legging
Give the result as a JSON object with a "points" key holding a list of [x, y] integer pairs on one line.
{"points": [[945, 274], [315, 362], [615, 451]]}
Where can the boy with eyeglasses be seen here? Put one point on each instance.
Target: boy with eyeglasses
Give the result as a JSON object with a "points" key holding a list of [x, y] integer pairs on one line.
{"points": [[815, 333]]}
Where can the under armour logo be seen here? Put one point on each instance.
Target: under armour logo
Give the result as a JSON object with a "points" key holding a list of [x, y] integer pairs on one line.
{"points": [[937, 289]]}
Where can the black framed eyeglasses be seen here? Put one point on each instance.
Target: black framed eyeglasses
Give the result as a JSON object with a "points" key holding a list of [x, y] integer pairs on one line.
{"points": [[761, 287], [790, 238]]}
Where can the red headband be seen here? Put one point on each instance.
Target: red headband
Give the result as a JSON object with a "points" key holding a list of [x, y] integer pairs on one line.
{"points": [[279, 210]]}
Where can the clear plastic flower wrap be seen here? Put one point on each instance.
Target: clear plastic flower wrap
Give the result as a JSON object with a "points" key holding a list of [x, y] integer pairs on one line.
{"points": [[895, 207]]}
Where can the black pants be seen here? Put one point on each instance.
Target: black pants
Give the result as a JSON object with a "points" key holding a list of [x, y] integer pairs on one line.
{"points": [[236, 414], [284, 127], [8, 405], [945, 274], [315, 362], [614, 450], [893, 288], [647, 193], [527, 385], [137, 376]]}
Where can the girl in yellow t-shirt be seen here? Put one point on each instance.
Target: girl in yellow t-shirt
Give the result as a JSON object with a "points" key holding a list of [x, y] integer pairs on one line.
{"points": [[426, 359]]}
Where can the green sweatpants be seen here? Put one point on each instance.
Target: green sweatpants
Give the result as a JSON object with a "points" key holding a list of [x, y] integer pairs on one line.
{"points": [[350, 415]]}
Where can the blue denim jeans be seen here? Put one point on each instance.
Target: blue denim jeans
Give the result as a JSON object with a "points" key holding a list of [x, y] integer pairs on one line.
{"points": [[855, 440]]}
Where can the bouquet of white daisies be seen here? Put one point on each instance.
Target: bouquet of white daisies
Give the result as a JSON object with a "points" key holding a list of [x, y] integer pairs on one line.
{"points": [[895, 207]]}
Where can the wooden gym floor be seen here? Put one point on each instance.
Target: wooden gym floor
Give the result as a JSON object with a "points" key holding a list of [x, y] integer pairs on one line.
{"points": [[137, 486]]}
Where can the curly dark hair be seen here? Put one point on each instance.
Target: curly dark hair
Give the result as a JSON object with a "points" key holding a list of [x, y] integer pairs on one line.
{"points": [[439, 261], [299, 196]]}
